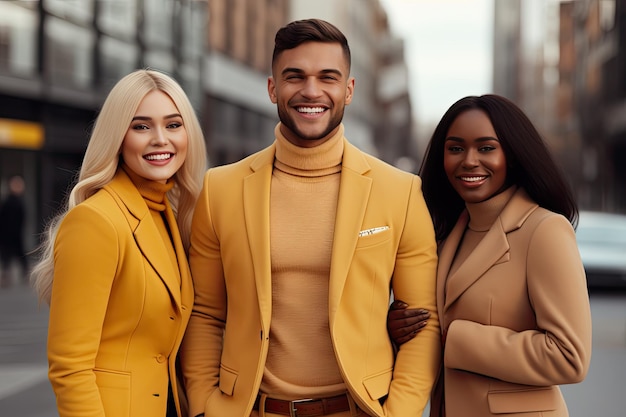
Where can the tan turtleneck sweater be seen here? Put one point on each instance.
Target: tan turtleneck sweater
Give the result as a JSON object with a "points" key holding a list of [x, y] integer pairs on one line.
{"points": [[481, 217], [154, 194], [303, 202]]}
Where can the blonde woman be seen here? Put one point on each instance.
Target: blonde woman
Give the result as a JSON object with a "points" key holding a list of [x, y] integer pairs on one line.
{"points": [[113, 266]]}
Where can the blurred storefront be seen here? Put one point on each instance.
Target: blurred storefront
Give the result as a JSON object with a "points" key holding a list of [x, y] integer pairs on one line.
{"points": [[58, 59]]}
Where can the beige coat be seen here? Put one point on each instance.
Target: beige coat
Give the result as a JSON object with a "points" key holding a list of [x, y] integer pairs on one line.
{"points": [[516, 316], [226, 344]]}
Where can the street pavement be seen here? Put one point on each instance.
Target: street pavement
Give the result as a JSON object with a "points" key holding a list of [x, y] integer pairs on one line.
{"points": [[603, 392], [26, 392], [24, 387]]}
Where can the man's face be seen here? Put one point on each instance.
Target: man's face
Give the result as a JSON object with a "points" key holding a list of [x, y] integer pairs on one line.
{"points": [[311, 86]]}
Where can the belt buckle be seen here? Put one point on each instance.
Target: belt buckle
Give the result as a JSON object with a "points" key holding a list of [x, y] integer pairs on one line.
{"points": [[293, 411]]}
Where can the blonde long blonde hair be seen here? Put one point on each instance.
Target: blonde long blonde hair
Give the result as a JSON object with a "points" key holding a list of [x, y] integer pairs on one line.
{"points": [[102, 158]]}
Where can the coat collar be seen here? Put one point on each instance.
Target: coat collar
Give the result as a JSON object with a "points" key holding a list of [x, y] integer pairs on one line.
{"points": [[491, 248], [147, 235]]}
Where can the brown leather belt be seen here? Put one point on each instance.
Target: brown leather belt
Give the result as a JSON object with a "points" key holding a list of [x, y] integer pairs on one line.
{"points": [[306, 408]]}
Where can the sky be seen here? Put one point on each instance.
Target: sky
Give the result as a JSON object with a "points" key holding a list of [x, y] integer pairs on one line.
{"points": [[448, 50]]}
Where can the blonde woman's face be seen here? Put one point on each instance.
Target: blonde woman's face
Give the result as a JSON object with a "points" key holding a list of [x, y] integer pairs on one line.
{"points": [[155, 144]]}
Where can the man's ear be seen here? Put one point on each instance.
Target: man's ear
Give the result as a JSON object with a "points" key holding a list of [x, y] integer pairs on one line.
{"points": [[271, 89], [349, 91]]}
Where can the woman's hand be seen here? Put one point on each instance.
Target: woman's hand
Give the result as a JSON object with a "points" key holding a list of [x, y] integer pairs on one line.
{"points": [[404, 323]]}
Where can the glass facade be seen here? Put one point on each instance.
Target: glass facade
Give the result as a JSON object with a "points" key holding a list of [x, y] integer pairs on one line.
{"points": [[118, 18], [58, 60], [68, 53], [18, 39], [117, 58], [158, 28], [80, 11]]}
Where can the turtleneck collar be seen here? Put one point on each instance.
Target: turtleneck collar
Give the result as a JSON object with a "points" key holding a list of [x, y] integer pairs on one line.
{"points": [[483, 214], [153, 192], [324, 159]]}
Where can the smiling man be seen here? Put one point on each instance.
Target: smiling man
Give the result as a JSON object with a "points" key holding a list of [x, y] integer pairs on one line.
{"points": [[295, 251]]}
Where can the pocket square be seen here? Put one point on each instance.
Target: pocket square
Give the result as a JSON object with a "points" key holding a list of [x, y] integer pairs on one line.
{"points": [[373, 231]]}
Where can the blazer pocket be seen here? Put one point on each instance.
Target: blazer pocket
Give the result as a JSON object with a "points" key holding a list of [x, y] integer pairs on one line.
{"points": [[228, 378], [114, 387], [523, 401], [377, 385], [374, 239]]}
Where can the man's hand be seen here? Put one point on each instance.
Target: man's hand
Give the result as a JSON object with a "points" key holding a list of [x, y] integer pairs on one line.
{"points": [[404, 323]]}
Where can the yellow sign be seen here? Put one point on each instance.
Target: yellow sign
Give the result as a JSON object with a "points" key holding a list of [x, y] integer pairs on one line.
{"points": [[21, 134]]}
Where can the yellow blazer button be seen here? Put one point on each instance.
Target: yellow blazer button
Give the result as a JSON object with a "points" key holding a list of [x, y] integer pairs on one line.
{"points": [[160, 358]]}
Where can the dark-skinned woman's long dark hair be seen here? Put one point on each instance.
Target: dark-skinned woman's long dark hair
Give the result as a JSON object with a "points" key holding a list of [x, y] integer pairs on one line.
{"points": [[529, 163]]}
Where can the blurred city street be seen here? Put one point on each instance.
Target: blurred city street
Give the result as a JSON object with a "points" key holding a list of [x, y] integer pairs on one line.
{"points": [[561, 61], [24, 386], [602, 392], [25, 390]]}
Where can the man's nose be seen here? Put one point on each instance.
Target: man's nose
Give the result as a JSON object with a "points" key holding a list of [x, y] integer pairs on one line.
{"points": [[311, 87]]}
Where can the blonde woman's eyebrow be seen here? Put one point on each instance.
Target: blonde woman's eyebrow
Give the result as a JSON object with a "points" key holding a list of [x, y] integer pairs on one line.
{"points": [[169, 116]]}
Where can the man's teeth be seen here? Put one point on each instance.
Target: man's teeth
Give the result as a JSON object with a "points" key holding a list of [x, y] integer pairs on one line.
{"points": [[311, 109], [473, 179], [159, 157]]}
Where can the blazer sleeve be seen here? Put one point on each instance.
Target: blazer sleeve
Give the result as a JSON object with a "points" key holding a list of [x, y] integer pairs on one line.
{"points": [[201, 348], [85, 263], [417, 362], [558, 351]]}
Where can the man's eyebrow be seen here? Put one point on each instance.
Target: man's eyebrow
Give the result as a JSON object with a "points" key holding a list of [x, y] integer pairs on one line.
{"points": [[300, 71]]}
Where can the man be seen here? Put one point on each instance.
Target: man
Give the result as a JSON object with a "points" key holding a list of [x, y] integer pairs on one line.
{"points": [[294, 251], [12, 217]]}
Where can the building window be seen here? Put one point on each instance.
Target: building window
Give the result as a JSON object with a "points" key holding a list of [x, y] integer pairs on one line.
{"points": [[79, 11], [158, 23], [18, 38], [69, 53], [118, 18], [159, 60], [118, 58]]}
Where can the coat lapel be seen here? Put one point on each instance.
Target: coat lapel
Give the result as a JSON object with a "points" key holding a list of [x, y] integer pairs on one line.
{"points": [[354, 192], [446, 256], [145, 232], [491, 248], [256, 201]]}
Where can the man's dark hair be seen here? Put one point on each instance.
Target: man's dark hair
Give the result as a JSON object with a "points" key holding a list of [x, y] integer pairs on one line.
{"points": [[309, 30]]}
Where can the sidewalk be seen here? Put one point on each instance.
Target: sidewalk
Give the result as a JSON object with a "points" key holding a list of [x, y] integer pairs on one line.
{"points": [[24, 386]]}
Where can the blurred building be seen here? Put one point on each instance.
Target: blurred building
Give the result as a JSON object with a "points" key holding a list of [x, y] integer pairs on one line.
{"points": [[238, 62], [59, 58], [563, 63], [237, 115], [594, 41], [526, 64]]}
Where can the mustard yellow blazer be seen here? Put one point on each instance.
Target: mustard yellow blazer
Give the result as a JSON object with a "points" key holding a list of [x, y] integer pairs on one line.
{"points": [[224, 351], [118, 312], [517, 316]]}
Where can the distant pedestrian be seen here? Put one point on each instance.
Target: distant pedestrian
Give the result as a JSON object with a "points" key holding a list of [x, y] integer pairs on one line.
{"points": [[12, 214]]}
